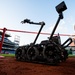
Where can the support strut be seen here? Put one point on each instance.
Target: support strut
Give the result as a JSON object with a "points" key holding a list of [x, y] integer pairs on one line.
{"points": [[3, 35]]}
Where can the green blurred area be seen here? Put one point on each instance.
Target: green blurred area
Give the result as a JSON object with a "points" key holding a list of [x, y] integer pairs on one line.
{"points": [[8, 55], [71, 55]]}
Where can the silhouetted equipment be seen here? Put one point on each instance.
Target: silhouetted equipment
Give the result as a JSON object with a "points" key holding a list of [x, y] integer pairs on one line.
{"points": [[25, 21], [49, 51], [61, 7]]}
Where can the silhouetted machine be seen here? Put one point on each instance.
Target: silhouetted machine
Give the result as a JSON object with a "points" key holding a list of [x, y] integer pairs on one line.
{"points": [[49, 51]]}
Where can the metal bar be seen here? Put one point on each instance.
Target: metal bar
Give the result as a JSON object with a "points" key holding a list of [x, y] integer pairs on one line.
{"points": [[35, 32], [59, 18], [38, 34], [3, 35]]}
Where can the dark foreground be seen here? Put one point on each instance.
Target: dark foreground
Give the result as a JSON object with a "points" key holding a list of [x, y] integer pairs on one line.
{"points": [[9, 66]]}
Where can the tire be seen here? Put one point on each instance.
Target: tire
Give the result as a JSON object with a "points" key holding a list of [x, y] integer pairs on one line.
{"points": [[32, 53], [18, 53], [24, 51], [51, 54], [65, 55]]}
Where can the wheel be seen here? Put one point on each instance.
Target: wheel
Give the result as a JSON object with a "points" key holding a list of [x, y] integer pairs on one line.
{"points": [[24, 51], [65, 53], [18, 53], [21, 53], [51, 54], [32, 53]]}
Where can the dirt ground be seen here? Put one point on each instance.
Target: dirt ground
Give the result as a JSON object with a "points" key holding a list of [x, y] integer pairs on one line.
{"points": [[9, 66]]}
